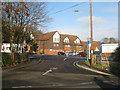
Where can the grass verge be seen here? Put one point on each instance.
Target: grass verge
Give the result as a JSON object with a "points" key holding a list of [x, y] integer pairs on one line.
{"points": [[99, 66]]}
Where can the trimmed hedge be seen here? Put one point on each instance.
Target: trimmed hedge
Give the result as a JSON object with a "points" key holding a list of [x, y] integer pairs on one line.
{"points": [[7, 58]]}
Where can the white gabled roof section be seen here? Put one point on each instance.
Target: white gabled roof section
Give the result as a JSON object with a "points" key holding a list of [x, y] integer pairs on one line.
{"points": [[77, 40], [56, 37], [66, 39]]}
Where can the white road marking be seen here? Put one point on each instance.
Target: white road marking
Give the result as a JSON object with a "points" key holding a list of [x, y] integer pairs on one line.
{"points": [[65, 59], [50, 70], [47, 72], [86, 83], [54, 68], [22, 87]]}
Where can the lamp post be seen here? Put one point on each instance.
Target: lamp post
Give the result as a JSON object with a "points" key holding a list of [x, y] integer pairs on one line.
{"points": [[91, 34], [91, 48]]}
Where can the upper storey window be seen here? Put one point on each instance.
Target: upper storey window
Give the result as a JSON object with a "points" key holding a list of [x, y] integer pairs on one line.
{"points": [[66, 40], [77, 40]]}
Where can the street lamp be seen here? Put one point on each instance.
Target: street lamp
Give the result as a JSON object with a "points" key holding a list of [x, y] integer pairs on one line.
{"points": [[91, 34], [91, 48]]}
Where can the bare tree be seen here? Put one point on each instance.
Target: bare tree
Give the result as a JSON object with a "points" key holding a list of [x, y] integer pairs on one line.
{"points": [[109, 40], [112, 40], [21, 18], [105, 40]]}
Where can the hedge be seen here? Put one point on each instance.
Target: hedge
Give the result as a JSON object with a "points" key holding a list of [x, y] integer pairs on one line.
{"points": [[7, 58]]}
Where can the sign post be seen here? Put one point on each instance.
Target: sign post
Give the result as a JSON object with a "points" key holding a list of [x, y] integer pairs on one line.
{"points": [[89, 45]]}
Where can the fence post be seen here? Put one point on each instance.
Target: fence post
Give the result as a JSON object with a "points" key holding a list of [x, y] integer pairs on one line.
{"points": [[107, 59]]}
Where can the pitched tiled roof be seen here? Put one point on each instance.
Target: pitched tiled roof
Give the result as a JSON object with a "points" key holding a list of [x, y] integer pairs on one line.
{"points": [[95, 44], [84, 44], [38, 36], [45, 36], [72, 38]]}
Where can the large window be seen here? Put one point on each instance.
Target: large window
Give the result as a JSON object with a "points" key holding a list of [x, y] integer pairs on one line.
{"points": [[77, 41], [66, 40]]}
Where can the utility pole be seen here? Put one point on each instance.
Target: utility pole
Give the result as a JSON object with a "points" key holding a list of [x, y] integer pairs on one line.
{"points": [[91, 33]]}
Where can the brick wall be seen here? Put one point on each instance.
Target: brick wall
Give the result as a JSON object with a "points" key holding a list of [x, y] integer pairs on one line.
{"points": [[52, 51]]}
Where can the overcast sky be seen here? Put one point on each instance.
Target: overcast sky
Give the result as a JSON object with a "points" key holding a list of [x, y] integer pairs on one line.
{"points": [[105, 19]]}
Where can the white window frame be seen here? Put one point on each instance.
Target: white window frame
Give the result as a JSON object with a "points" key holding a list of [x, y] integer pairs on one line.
{"points": [[68, 45], [54, 45], [57, 45], [77, 41], [67, 41]]}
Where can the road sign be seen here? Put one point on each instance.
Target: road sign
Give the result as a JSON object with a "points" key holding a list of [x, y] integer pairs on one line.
{"points": [[89, 43]]}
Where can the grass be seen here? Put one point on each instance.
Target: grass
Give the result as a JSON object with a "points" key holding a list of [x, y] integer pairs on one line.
{"points": [[87, 62], [100, 66]]}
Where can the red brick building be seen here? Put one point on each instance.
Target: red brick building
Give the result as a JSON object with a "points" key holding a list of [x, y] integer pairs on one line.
{"points": [[53, 42]]}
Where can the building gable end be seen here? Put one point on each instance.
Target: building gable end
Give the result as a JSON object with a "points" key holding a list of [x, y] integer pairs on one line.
{"points": [[56, 37], [77, 40], [66, 39]]}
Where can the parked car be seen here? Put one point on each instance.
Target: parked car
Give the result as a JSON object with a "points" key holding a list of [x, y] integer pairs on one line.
{"points": [[71, 53], [82, 54], [61, 53]]}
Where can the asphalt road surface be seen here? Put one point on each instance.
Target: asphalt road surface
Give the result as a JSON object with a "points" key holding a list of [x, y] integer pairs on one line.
{"points": [[55, 72]]}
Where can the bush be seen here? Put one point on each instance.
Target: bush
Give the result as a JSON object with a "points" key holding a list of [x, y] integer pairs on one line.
{"points": [[7, 58], [115, 66], [42, 52]]}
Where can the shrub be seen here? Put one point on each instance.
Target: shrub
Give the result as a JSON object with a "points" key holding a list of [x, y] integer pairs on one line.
{"points": [[7, 58], [42, 52], [115, 66]]}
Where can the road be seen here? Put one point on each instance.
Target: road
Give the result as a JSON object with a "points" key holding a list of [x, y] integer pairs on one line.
{"points": [[56, 72]]}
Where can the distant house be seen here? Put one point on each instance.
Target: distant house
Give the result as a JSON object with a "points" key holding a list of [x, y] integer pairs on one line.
{"points": [[84, 45], [53, 42], [96, 46]]}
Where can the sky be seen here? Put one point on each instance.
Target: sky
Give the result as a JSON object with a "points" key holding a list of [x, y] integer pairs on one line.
{"points": [[105, 19]]}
